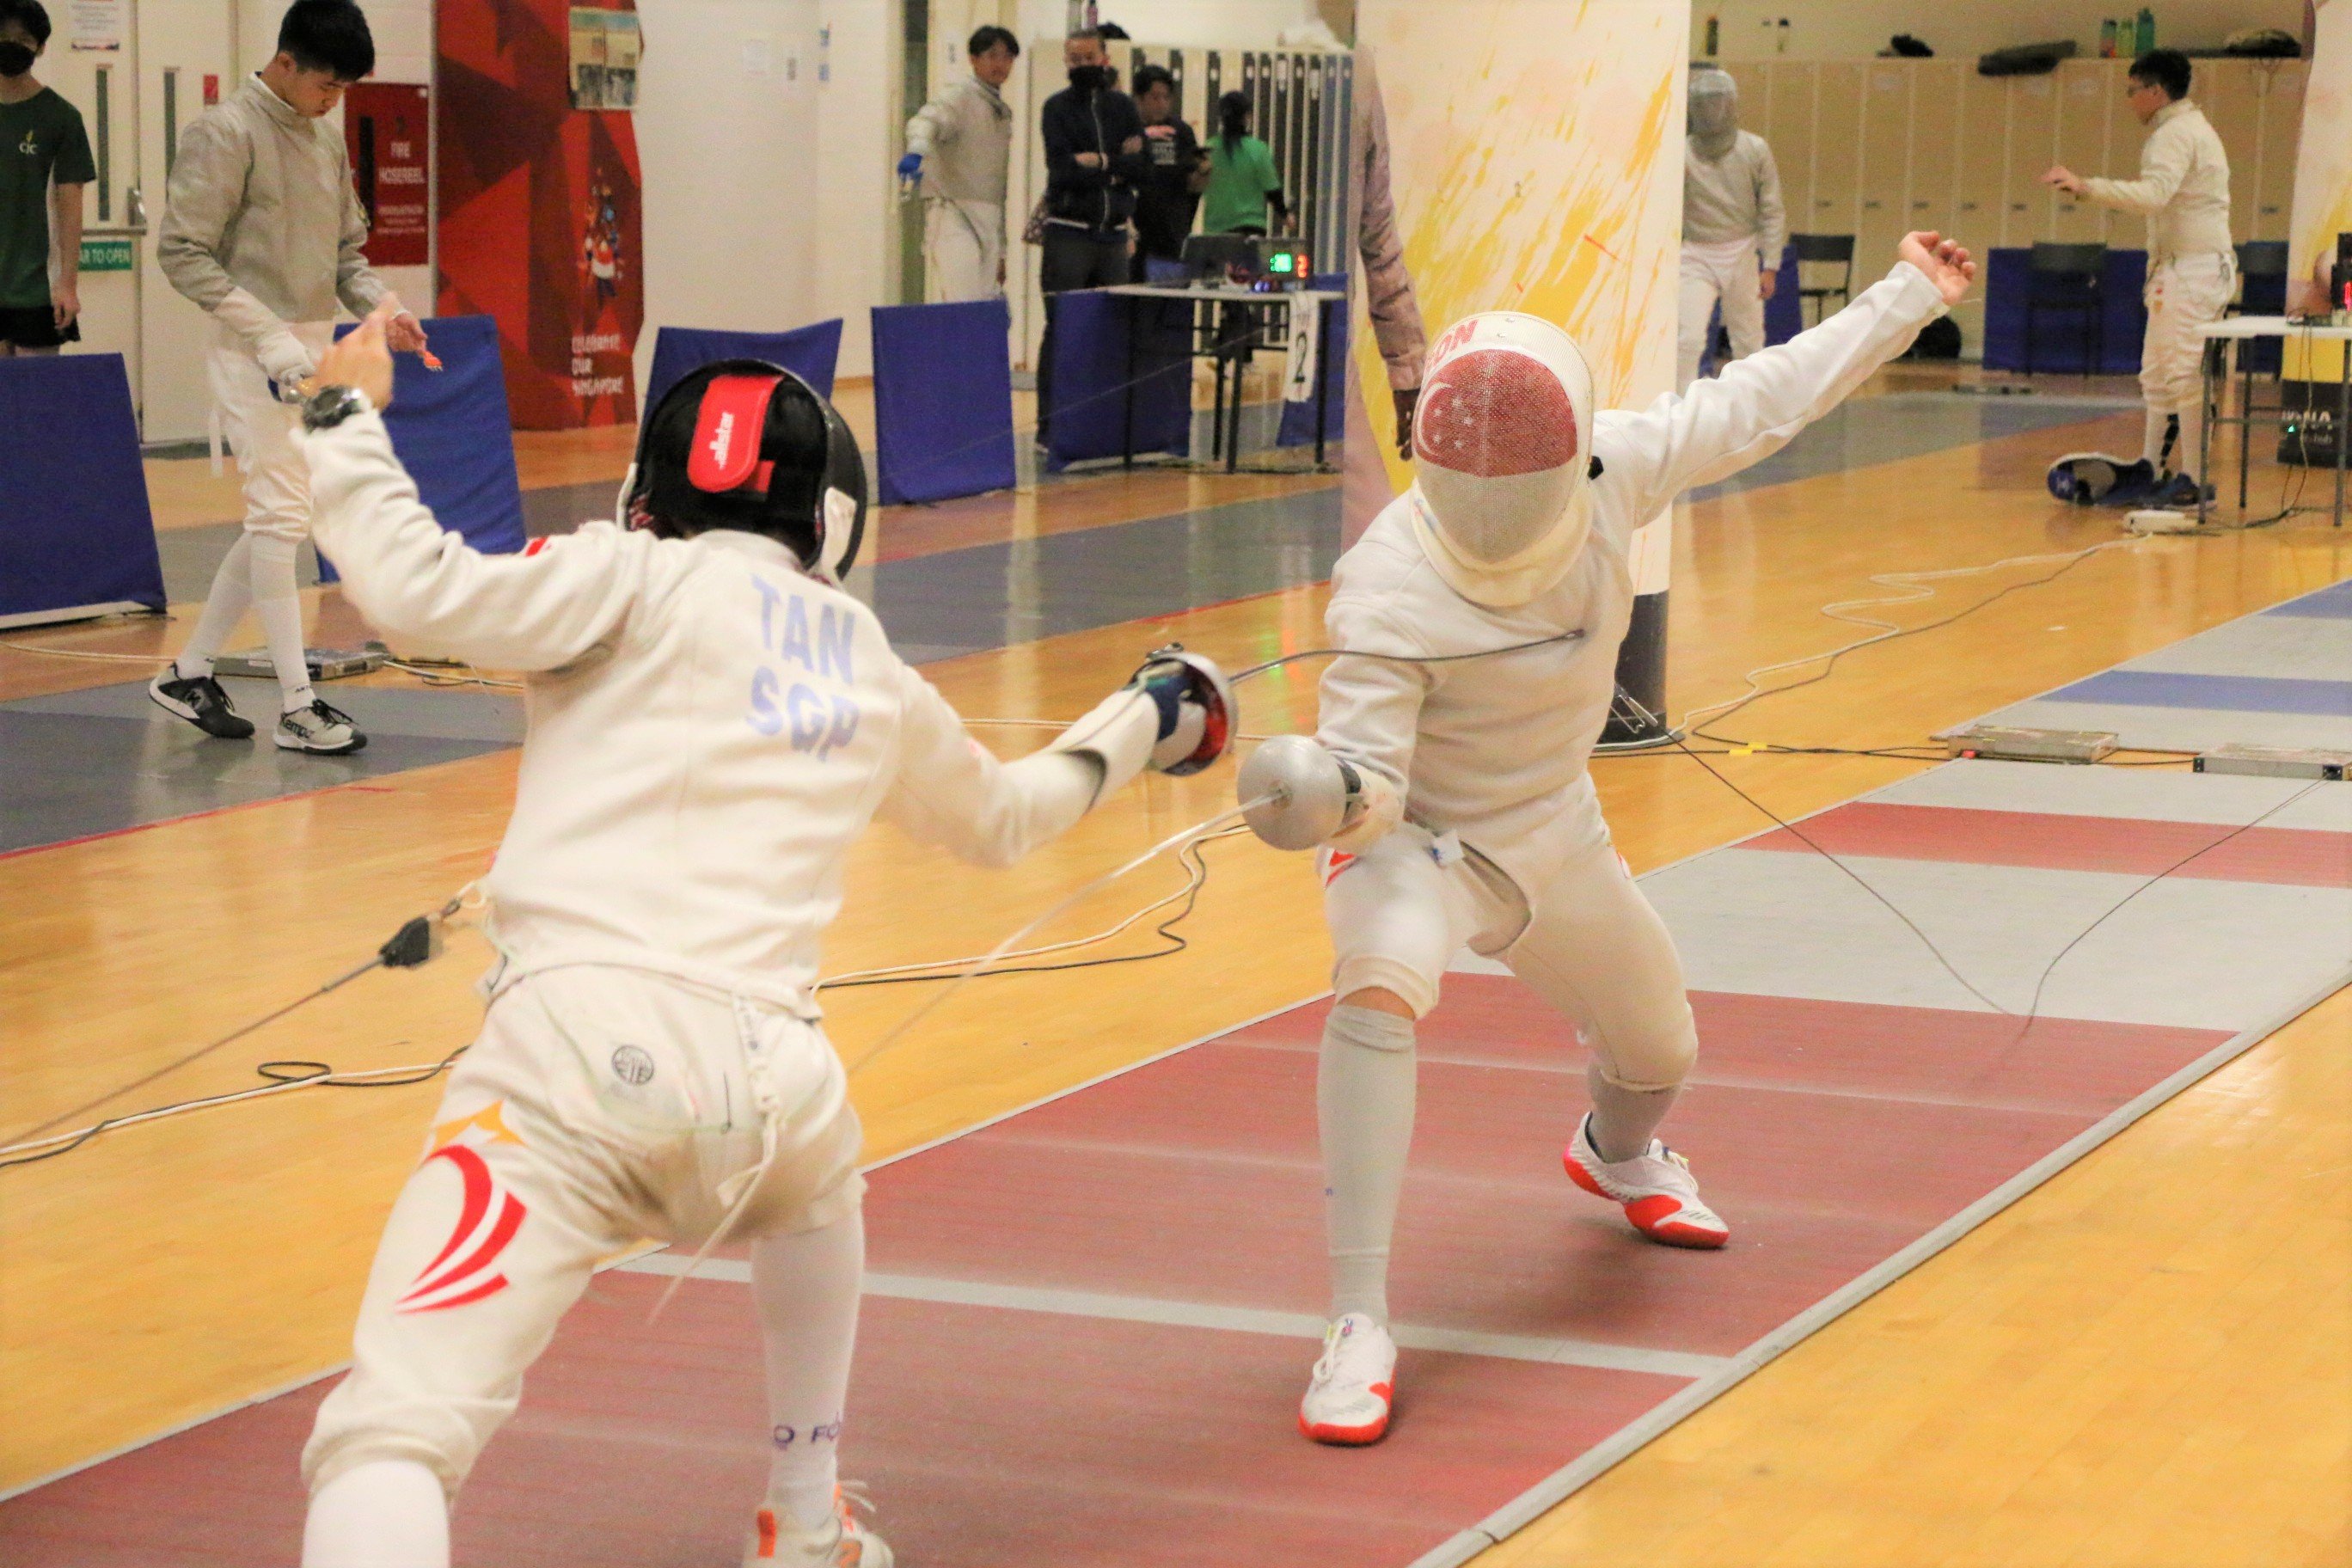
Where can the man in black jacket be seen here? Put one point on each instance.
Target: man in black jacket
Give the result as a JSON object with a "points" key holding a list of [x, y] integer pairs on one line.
{"points": [[1169, 195], [1094, 162]]}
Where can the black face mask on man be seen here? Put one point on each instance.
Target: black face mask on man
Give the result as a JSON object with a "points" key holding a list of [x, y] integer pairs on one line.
{"points": [[16, 58], [1089, 79]]}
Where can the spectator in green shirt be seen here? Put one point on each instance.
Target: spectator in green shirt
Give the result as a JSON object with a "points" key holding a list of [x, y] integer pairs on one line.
{"points": [[43, 164], [1242, 179]]}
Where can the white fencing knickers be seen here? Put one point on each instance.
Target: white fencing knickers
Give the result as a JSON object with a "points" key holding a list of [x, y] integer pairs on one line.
{"points": [[2183, 293], [258, 574], [963, 247], [1593, 948], [1725, 271], [600, 1105]]}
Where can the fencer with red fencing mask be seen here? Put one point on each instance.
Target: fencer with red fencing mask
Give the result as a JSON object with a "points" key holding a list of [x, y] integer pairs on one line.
{"points": [[712, 723], [1445, 790]]}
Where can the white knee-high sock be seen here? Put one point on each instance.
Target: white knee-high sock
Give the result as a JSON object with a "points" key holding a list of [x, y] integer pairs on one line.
{"points": [[278, 606], [807, 1287], [231, 596], [1625, 1119], [385, 1514], [1363, 1103]]}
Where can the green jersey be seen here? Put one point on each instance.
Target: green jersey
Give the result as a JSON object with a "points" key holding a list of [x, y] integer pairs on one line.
{"points": [[41, 140], [1238, 183]]}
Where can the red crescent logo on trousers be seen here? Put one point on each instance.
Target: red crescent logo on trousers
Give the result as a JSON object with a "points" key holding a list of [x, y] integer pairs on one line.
{"points": [[465, 1270]]}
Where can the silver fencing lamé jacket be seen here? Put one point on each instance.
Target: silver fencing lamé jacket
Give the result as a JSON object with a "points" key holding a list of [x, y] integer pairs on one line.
{"points": [[1495, 749]]}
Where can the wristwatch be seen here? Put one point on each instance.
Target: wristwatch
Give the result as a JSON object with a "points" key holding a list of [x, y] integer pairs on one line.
{"points": [[331, 405]]}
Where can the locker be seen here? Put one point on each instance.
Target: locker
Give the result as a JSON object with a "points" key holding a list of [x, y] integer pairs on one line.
{"points": [[2278, 141], [2226, 90], [1931, 193], [1981, 154], [2029, 206], [1789, 127], [2087, 92], [1835, 207], [1884, 171]]}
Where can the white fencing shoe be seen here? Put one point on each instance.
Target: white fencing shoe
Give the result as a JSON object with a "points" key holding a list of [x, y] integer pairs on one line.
{"points": [[845, 1541], [329, 731], [1348, 1400], [1656, 1188]]}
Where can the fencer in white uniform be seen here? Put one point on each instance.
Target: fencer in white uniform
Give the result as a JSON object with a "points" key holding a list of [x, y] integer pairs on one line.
{"points": [[712, 724], [1446, 784], [1734, 226], [959, 146], [2183, 191]]}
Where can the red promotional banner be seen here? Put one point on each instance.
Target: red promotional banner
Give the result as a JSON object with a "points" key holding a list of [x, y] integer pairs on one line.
{"points": [[541, 225], [388, 127]]}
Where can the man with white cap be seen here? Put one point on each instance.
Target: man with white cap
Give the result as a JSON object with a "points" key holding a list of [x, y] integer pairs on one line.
{"points": [[1447, 788], [1734, 227]]}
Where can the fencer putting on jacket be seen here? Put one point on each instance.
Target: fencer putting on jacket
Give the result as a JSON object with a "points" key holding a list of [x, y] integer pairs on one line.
{"points": [[712, 724], [1446, 792]]}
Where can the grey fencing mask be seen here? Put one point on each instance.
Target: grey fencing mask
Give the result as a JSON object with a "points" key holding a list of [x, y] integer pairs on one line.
{"points": [[1714, 113]]}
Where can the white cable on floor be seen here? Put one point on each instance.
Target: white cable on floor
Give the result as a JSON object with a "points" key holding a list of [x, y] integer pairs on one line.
{"points": [[78, 653], [1912, 588]]}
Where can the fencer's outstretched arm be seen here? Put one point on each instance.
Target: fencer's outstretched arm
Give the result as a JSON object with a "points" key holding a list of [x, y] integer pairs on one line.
{"points": [[435, 595], [1755, 407], [1370, 716], [949, 790]]}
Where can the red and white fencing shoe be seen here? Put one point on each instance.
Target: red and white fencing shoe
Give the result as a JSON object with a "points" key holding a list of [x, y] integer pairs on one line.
{"points": [[845, 1541], [1347, 1399], [1655, 1188]]}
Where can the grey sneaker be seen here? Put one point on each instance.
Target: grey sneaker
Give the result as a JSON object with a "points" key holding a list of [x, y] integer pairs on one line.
{"points": [[201, 701], [328, 732]]}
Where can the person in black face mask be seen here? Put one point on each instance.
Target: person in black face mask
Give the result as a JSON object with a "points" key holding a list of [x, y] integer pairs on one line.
{"points": [[42, 146], [1094, 163]]}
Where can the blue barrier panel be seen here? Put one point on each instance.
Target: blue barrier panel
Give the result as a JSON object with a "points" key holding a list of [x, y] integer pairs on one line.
{"points": [[75, 531], [809, 352], [2064, 336], [942, 400], [1298, 418], [1092, 359], [454, 436], [1784, 312]]}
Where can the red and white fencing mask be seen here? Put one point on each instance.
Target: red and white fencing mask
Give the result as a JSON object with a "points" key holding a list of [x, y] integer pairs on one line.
{"points": [[1502, 445]]}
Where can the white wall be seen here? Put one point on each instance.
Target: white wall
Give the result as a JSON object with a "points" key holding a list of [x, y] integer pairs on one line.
{"points": [[1849, 29], [858, 133], [1226, 24], [727, 127]]}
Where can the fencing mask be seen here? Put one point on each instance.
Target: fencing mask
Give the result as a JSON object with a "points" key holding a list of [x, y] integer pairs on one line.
{"points": [[746, 444], [1714, 112], [1502, 444]]}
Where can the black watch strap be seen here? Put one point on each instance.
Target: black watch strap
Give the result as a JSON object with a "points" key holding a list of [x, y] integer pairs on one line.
{"points": [[330, 406]]}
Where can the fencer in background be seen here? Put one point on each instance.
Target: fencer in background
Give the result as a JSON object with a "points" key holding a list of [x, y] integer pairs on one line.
{"points": [[2183, 191], [959, 146], [713, 724], [1734, 228], [264, 231], [1451, 801], [1384, 283]]}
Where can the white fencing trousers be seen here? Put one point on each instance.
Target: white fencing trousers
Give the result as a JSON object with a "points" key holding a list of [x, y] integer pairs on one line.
{"points": [[2183, 293], [1592, 947], [599, 1105], [963, 245], [1722, 271]]}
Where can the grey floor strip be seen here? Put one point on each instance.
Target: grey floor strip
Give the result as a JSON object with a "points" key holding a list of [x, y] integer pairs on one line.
{"points": [[1205, 1315], [1538, 1500]]}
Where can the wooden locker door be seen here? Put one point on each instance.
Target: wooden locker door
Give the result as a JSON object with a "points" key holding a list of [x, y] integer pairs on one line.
{"points": [[1884, 145], [1789, 128], [2282, 84], [1834, 205], [1980, 150], [1753, 78], [2085, 91], [2126, 137], [1931, 193], [2029, 207], [2226, 90]]}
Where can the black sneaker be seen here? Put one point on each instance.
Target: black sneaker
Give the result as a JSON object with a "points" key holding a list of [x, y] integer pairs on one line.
{"points": [[329, 731], [202, 702], [2136, 483]]}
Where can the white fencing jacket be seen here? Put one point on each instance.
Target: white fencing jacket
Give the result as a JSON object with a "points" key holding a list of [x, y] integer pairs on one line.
{"points": [[1735, 197], [2183, 189], [710, 729], [1493, 750], [965, 135]]}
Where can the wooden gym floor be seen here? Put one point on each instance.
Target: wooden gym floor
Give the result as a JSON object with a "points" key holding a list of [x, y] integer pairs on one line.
{"points": [[2143, 1362]]}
